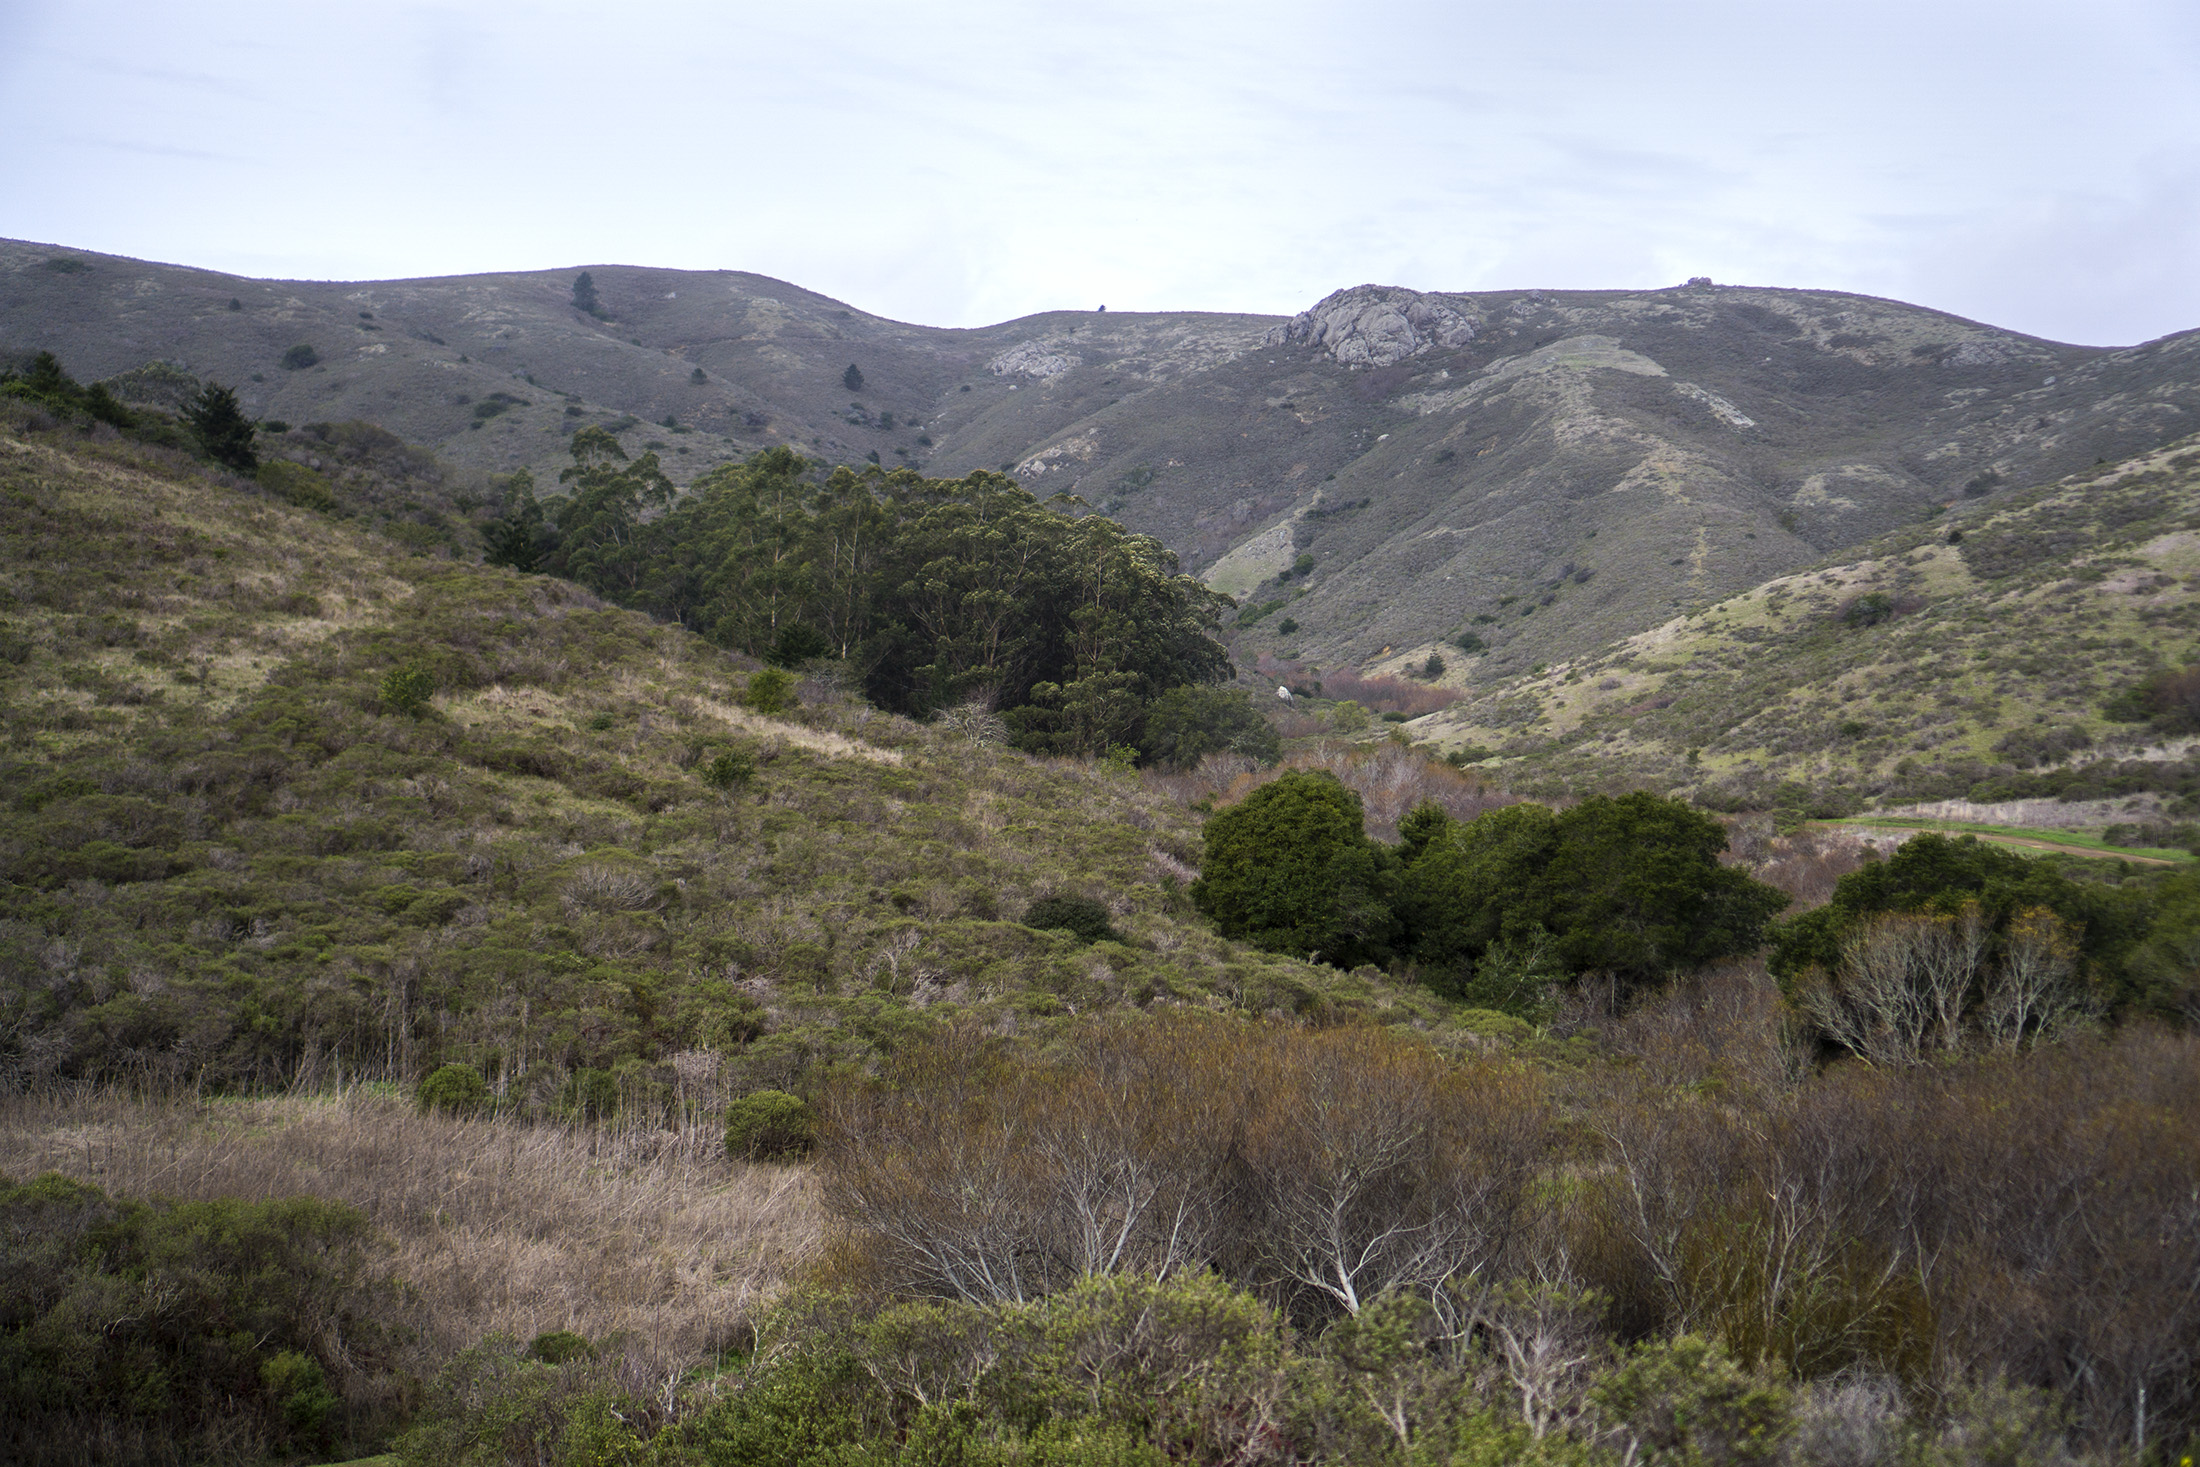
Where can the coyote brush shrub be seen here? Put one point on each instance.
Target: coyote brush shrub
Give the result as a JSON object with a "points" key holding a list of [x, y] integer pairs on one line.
{"points": [[770, 1125], [770, 690], [1081, 917], [456, 1089], [407, 689]]}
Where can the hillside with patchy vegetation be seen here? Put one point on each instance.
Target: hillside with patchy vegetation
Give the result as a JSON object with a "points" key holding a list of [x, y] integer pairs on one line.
{"points": [[448, 1013], [238, 849], [2000, 652]]}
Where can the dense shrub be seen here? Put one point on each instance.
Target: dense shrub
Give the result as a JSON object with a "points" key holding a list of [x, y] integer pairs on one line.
{"points": [[173, 1329], [1328, 1164], [297, 484], [770, 1125], [2168, 699], [769, 690], [1943, 877], [728, 769], [457, 1089], [1290, 868], [1630, 887], [1184, 725], [1861, 1228], [1082, 917], [407, 689]]}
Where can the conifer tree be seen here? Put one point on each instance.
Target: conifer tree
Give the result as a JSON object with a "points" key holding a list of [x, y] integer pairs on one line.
{"points": [[222, 428], [584, 296]]}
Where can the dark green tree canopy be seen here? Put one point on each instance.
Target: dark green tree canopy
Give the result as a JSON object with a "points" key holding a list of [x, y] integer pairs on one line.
{"points": [[602, 541], [933, 591], [44, 382], [519, 537], [1186, 724], [1290, 868], [222, 428], [584, 295], [852, 379], [1630, 886]]}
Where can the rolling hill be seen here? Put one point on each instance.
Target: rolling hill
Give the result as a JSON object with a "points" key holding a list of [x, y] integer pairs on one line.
{"points": [[1545, 471], [229, 853]]}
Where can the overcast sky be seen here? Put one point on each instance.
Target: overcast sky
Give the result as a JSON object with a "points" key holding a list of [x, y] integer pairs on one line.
{"points": [[2036, 166]]}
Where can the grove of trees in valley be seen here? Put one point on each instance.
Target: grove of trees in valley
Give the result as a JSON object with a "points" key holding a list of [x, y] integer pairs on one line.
{"points": [[1493, 909], [933, 591]]}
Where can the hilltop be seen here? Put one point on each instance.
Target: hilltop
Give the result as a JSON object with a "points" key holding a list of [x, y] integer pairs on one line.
{"points": [[1501, 478]]}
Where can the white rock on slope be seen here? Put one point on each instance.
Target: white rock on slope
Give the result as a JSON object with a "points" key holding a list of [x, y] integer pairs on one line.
{"points": [[1375, 325], [1032, 359]]}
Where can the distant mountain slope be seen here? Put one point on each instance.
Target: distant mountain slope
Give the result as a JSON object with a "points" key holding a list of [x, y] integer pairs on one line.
{"points": [[1966, 657], [1546, 470]]}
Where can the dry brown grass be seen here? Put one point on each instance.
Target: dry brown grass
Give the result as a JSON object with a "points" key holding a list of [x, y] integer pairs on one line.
{"points": [[502, 1227], [1389, 778], [1807, 864]]}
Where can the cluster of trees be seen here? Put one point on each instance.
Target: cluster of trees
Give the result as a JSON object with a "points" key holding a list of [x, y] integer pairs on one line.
{"points": [[1951, 941], [215, 425], [933, 592], [1492, 909]]}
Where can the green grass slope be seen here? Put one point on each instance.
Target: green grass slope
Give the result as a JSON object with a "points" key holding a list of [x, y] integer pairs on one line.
{"points": [[1979, 673], [223, 855]]}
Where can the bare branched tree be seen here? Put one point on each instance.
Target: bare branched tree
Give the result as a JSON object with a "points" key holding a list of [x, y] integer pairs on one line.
{"points": [[2035, 991], [1902, 986]]}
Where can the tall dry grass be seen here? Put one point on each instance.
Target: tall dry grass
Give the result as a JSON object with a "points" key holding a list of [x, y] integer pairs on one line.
{"points": [[500, 1226]]}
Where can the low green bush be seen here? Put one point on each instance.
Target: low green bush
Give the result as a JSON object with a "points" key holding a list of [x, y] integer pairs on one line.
{"points": [[296, 484], [556, 1347], [770, 1125], [407, 689], [769, 690], [731, 769], [1082, 917], [454, 1089]]}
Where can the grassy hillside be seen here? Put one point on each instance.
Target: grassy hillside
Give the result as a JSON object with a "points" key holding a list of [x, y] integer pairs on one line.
{"points": [[1968, 657], [227, 856]]}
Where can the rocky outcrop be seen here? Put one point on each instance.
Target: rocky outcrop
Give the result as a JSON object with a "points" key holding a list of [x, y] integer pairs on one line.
{"points": [[1375, 325], [1974, 354], [1032, 359]]}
